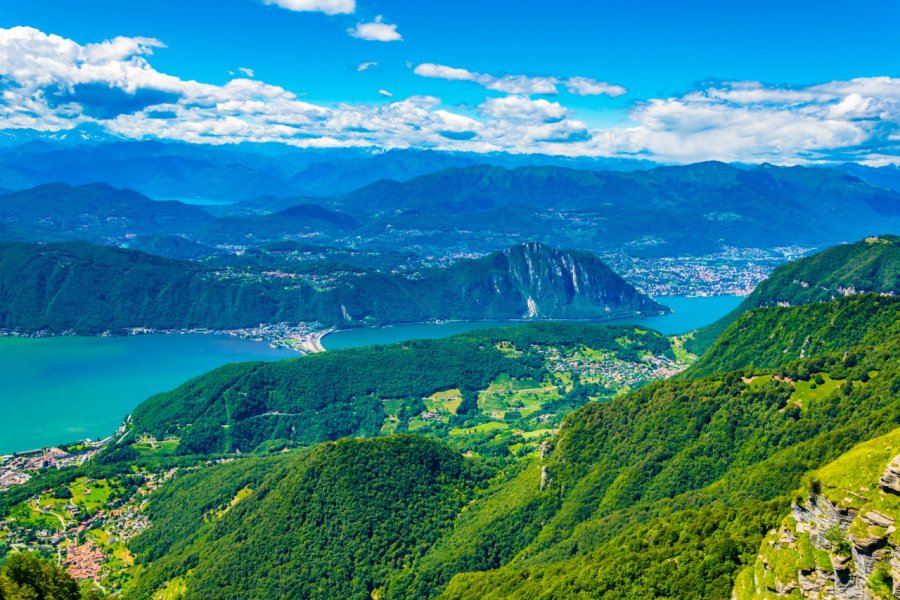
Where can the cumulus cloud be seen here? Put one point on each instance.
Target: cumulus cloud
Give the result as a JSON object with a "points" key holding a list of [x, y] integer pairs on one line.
{"points": [[582, 86], [51, 83], [521, 108], [753, 122], [521, 84], [329, 7], [365, 66], [376, 31]]}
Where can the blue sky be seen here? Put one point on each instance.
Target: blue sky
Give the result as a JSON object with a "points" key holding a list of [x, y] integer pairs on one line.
{"points": [[698, 77]]}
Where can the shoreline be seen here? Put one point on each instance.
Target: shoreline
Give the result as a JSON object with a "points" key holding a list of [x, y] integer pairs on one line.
{"points": [[304, 338]]}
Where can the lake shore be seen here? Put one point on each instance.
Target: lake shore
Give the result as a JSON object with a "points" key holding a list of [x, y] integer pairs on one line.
{"points": [[688, 313], [303, 338]]}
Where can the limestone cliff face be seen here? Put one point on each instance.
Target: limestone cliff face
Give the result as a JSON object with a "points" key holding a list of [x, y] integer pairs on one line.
{"points": [[544, 282], [840, 541]]}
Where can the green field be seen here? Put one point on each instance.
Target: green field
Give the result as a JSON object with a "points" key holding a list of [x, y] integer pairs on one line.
{"points": [[482, 428], [447, 401], [806, 391], [523, 395], [90, 495], [155, 447]]}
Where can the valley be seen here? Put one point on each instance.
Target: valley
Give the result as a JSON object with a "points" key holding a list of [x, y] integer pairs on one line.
{"points": [[565, 443], [393, 300]]}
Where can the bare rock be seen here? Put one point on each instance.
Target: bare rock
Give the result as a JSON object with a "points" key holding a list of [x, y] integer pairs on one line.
{"points": [[890, 481]]}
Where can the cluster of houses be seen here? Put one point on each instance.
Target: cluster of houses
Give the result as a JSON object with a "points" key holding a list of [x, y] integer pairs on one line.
{"points": [[16, 469], [84, 561], [610, 369]]}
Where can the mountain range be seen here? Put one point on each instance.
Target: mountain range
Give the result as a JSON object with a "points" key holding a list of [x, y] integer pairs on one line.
{"points": [[169, 170], [667, 211], [692, 209]]}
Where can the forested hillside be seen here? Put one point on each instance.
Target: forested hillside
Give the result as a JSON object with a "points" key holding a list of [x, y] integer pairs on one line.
{"points": [[769, 337], [549, 461], [870, 265], [76, 287], [513, 378], [665, 492], [330, 523], [669, 491]]}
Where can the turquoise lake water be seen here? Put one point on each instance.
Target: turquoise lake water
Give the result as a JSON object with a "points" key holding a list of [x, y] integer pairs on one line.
{"points": [[689, 313], [57, 390]]}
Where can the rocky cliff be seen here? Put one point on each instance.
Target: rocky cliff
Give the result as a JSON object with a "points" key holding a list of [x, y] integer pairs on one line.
{"points": [[549, 283], [840, 540]]}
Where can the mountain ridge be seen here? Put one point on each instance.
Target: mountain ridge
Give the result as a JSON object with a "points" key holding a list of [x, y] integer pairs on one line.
{"points": [[83, 288], [869, 265]]}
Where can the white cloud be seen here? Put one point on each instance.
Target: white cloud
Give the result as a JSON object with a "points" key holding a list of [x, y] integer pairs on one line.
{"points": [[51, 83], [445, 72], [246, 71], [521, 108], [365, 66], [521, 84], [376, 31], [329, 7], [385, 93], [582, 86]]}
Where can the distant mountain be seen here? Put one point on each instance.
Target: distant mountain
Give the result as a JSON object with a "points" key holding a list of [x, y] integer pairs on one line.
{"points": [[103, 214], [887, 176], [329, 177], [95, 212], [307, 212], [170, 246], [83, 288], [161, 170], [870, 265], [669, 211], [693, 209], [174, 170], [260, 205]]}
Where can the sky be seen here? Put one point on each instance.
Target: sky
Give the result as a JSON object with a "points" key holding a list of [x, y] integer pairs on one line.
{"points": [[788, 82]]}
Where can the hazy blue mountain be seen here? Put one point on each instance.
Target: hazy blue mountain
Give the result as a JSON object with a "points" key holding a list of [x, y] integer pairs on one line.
{"points": [[103, 214], [694, 208], [887, 176], [171, 246], [233, 173], [96, 212]]}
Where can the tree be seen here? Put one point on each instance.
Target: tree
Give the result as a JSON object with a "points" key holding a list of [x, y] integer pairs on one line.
{"points": [[25, 577]]}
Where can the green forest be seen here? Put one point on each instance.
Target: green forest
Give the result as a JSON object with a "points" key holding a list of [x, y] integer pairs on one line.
{"points": [[505, 463], [77, 287]]}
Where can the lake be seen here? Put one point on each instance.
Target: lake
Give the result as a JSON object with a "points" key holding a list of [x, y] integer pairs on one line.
{"points": [[63, 389], [689, 313]]}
